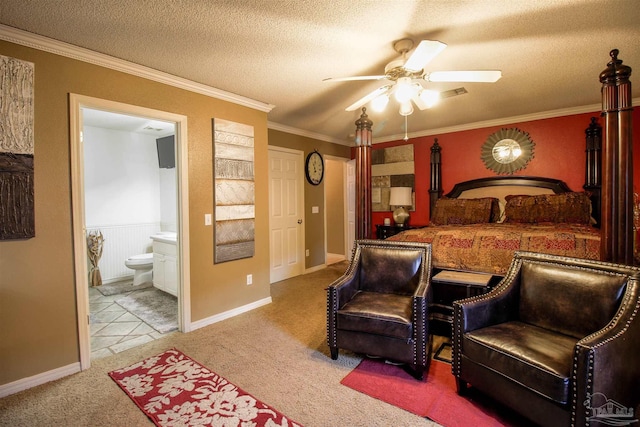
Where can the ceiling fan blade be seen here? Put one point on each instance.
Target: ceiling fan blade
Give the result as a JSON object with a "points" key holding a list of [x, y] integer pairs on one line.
{"points": [[453, 92], [351, 79], [419, 102], [485, 76], [423, 54], [359, 103]]}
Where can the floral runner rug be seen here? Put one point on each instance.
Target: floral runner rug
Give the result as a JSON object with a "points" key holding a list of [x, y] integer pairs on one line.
{"points": [[174, 390]]}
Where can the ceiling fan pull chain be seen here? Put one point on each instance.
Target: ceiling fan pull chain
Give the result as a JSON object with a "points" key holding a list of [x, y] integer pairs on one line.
{"points": [[406, 137]]}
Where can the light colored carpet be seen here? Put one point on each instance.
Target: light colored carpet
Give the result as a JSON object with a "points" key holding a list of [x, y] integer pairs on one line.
{"points": [[156, 308], [121, 288], [277, 352]]}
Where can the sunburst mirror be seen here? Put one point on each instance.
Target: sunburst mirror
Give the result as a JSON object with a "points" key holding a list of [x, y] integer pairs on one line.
{"points": [[507, 151]]}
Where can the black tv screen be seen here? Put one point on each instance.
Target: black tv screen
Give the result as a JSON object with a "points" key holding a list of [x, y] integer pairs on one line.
{"points": [[166, 152]]}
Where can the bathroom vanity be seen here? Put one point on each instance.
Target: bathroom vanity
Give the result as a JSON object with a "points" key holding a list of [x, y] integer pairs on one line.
{"points": [[165, 266]]}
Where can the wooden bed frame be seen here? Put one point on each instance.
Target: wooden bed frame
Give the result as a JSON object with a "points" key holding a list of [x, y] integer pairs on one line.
{"points": [[609, 166], [592, 184]]}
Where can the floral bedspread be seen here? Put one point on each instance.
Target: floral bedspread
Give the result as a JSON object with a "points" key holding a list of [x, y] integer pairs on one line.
{"points": [[490, 247]]}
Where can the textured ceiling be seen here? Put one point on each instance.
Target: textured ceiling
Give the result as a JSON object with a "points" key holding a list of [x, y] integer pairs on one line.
{"points": [[279, 51]]}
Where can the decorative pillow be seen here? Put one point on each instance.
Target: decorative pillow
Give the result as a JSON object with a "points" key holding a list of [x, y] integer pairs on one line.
{"points": [[465, 211], [571, 208]]}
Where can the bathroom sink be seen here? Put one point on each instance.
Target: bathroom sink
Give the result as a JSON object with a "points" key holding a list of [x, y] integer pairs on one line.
{"points": [[165, 237]]}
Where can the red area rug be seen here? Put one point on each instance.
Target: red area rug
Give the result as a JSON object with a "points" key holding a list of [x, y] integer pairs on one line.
{"points": [[174, 390], [435, 397]]}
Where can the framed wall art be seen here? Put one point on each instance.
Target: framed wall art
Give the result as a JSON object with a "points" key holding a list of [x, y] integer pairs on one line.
{"points": [[507, 151], [390, 167], [234, 190], [17, 217]]}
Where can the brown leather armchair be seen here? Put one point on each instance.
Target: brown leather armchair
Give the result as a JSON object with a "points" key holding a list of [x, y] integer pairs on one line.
{"points": [[555, 340], [380, 305]]}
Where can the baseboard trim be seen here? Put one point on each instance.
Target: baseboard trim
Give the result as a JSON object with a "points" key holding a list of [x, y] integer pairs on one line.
{"points": [[316, 268], [230, 313], [335, 258], [35, 380]]}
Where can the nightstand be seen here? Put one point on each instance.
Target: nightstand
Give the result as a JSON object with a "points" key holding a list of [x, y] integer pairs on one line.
{"points": [[386, 231], [452, 285]]}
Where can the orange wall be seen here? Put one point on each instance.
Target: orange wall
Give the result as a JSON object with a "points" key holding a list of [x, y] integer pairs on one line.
{"points": [[559, 152]]}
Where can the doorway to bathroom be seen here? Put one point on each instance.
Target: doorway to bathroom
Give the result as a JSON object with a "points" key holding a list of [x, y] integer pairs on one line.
{"points": [[129, 195]]}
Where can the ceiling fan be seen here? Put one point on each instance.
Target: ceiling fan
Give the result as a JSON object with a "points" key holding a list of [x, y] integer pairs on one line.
{"points": [[407, 75]]}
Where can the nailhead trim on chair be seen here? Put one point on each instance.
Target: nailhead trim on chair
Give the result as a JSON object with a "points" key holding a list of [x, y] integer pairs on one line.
{"points": [[501, 287], [457, 343], [332, 299], [625, 302], [425, 269], [420, 356]]}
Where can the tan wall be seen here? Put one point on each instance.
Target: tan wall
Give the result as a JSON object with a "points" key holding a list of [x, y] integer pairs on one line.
{"points": [[313, 194], [38, 321], [335, 209]]}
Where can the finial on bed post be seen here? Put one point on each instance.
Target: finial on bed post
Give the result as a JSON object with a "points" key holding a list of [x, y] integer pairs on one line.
{"points": [[435, 190], [616, 243]]}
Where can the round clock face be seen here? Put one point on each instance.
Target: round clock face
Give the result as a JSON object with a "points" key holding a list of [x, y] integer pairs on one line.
{"points": [[315, 168]]}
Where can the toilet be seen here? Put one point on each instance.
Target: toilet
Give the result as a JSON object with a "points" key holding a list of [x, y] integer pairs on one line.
{"points": [[142, 266]]}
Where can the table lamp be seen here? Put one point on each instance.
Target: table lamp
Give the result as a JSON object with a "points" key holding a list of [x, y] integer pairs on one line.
{"points": [[400, 197]]}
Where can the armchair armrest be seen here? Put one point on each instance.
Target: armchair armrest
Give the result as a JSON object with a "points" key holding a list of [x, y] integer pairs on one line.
{"points": [[421, 299], [345, 287], [604, 362], [477, 312], [338, 293], [496, 306]]}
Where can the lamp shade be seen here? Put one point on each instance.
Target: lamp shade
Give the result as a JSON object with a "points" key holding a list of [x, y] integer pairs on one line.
{"points": [[400, 196]]}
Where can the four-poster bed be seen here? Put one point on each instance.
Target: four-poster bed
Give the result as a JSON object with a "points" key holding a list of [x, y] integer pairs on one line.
{"points": [[477, 227], [467, 235]]}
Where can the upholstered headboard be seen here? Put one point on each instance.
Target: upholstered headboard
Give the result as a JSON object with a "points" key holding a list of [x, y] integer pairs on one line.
{"points": [[500, 186]]}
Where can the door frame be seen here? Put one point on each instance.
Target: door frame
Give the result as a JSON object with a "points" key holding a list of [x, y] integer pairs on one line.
{"points": [[301, 254], [76, 104]]}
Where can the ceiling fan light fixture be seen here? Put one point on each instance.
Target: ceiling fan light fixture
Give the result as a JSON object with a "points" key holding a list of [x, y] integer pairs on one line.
{"points": [[430, 97], [380, 103], [404, 90], [406, 108]]}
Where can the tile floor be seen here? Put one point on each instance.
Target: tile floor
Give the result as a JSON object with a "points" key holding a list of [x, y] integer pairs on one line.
{"points": [[114, 329]]}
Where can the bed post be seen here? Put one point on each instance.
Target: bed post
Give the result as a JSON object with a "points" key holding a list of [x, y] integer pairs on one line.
{"points": [[617, 166], [363, 176], [435, 191], [593, 177]]}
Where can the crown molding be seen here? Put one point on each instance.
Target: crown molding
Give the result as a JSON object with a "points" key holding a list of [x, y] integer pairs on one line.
{"points": [[593, 108], [46, 44], [305, 133]]}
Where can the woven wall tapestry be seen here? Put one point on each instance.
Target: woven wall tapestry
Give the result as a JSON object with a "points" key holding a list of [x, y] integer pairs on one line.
{"points": [[16, 149], [390, 167], [234, 191]]}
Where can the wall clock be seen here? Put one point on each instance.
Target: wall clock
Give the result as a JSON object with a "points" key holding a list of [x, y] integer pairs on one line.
{"points": [[507, 151], [314, 168]]}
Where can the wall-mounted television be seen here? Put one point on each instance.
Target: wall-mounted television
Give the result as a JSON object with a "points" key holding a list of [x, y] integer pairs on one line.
{"points": [[166, 152]]}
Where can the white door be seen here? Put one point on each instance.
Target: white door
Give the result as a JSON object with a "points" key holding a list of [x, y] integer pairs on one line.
{"points": [[351, 206], [286, 211]]}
